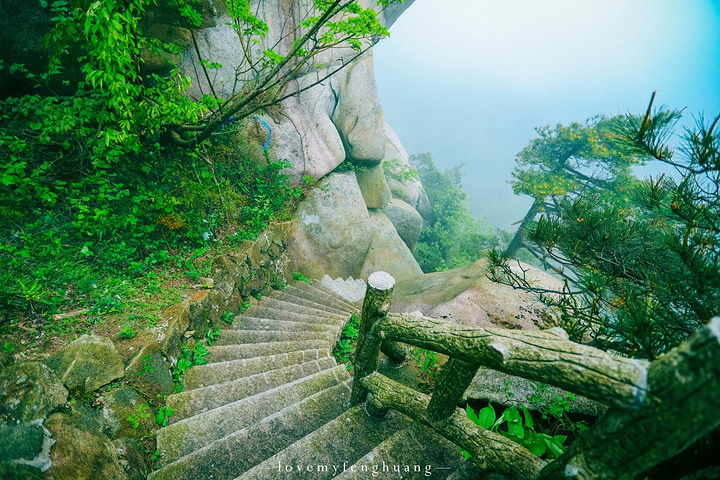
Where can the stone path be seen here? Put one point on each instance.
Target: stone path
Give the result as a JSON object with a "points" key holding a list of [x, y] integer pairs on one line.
{"points": [[272, 403]]}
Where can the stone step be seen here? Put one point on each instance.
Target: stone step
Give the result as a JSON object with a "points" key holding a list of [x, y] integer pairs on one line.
{"points": [[318, 284], [350, 289], [272, 302], [238, 452], [184, 437], [412, 453], [336, 445], [262, 311], [194, 402], [323, 293], [235, 337], [313, 302], [250, 350], [214, 373], [254, 323]]}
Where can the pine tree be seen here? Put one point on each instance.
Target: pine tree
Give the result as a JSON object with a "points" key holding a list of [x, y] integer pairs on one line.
{"points": [[638, 281]]}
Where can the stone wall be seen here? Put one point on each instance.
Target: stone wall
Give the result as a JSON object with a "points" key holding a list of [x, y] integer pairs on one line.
{"points": [[255, 268]]}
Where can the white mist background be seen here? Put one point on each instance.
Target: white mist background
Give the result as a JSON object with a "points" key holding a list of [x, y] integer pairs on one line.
{"points": [[469, 80]]}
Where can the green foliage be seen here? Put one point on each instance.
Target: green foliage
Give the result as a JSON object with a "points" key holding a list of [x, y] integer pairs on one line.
{"points": [[228, 316], [242, 308], [571, 161], [451, 238], [147, 365], [347, 340], [8, 348], [425, 359], [640, 280], [212, 334], [162, 417], [520, 429], [189, 357], [143, 411], [393, 169], [126, 333], [301, 278]]}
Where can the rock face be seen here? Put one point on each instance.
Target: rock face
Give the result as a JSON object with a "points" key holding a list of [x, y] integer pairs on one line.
{"points": [[122, 405], [388, 252], [149, 372], [81, 451], [465, 295], [407, 221], [359, 116], [29, 391], [330, 232], [87, 364], [373, 186], [490, 385]]}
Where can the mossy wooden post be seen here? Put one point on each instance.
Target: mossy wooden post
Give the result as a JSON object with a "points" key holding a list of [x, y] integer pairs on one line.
{"points": [[683, 404], [375, 307], [455, 378]]}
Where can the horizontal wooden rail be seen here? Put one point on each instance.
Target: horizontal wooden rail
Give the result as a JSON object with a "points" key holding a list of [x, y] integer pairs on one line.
{"points": [[543, 356], [683, 404], [489, 450]]}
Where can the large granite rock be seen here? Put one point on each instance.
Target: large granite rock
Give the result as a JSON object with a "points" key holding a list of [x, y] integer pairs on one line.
{"points": [[497, 387], [410, 191], [121, 408], [373, 186], [82, 451], [359, 116], [388, 252], [465, 295], [29, 391], [87, 363], [24, 444], [407, 221], [149, 372], [330, 231]]}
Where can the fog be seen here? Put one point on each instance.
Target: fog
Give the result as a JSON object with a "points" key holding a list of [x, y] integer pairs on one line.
{"points": [[469, 80]]}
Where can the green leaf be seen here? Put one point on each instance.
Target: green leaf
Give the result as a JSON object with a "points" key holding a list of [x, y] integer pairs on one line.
{"points": [[485, 417], [528, 418]]}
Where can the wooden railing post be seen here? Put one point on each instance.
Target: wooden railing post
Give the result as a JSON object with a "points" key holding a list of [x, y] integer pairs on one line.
{"points": [[455, 377], [683, 404], [375, 307]]}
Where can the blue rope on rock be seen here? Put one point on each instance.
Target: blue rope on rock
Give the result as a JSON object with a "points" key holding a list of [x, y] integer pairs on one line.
{"points": [[269, 131]]}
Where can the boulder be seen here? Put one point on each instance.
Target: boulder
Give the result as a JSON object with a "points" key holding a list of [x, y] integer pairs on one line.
{"points": [[373, 186], [497, 387], [25, 444], [149, 372], [465, 295], [401, 191], [359, 116], [87, 363], [330, 232], [29, 391], [410, 191], [177, 319], [121, 409], [82, 451], [387, 251], [407, 221]]}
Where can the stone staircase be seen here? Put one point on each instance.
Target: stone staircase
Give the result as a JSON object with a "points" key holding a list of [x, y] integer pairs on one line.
{"points": [[272, 403]]}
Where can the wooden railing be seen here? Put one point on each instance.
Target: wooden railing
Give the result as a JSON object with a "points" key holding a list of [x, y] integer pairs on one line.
{"points": [[657, 409]]}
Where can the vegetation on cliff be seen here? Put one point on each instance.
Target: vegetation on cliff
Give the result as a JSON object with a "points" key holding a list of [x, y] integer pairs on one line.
{"points": [[109, 175]]}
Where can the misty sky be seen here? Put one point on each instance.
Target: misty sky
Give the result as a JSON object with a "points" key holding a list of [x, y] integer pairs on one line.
{"points": [[468, 80]]}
